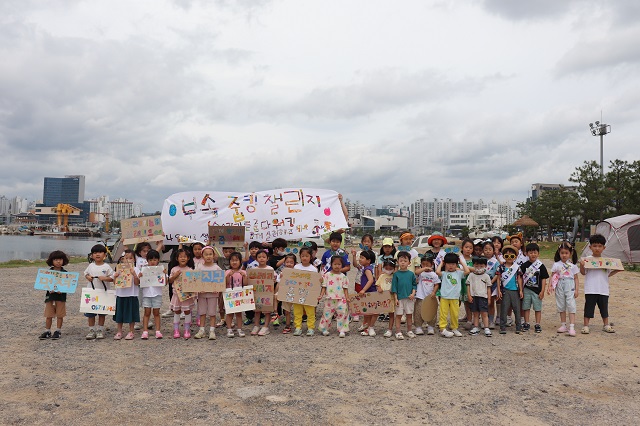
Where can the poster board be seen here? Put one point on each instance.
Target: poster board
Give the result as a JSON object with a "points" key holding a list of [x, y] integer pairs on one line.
{"points": [[203, 281], [125, 277], [238, 300], [178, 287], [603, 263], [263, 288], [153, 276], [371, 303], [300, 287], [226, 236], [62, 282], [98, 301], [289, 213], [384, 282], [140, 229]]}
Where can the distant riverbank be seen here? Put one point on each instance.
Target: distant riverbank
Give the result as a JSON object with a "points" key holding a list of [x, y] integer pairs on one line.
{"points": [[36, 247]]}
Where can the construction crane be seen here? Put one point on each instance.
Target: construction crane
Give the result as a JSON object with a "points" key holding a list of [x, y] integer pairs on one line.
{"points": [[63, 211]]}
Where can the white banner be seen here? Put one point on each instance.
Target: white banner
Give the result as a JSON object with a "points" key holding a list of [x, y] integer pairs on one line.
{"points": [[287, 213]]}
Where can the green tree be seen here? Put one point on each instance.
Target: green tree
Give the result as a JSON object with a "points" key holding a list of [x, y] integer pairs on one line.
{"points": [[622, 186], [555, 209], [591, 193]]}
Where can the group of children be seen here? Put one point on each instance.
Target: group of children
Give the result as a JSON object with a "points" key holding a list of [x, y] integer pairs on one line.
{"points": [[482, 282]]}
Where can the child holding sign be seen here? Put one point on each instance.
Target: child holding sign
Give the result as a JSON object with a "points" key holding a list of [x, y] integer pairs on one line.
{"points": [[298, 309], [262, 258], [185, 263], [98, 274], [207, 301], [151, 299], [127, 307], [55, 303], [335, 286], [235, 278]]}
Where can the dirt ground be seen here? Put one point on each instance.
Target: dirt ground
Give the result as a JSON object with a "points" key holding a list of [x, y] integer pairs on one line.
{"points": [[528, 379]]}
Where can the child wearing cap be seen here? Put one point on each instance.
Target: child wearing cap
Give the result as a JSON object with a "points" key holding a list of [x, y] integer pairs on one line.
{"points": [[405, 245], [387, 251]]}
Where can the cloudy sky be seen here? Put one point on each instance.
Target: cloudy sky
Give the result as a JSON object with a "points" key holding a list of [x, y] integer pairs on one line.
{"points": [[384, 101]]}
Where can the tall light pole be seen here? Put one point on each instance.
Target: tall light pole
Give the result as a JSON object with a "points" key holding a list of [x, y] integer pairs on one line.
{"points": [[600, 129]]}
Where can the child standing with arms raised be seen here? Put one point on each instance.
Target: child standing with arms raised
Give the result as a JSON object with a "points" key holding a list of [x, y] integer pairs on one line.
{"points": [[55, 303], [450, 291], [98, 274], [565, 282]]}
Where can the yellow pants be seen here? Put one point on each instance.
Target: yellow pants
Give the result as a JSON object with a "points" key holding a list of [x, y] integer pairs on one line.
{"points": [[299, 310], [449, 307]]}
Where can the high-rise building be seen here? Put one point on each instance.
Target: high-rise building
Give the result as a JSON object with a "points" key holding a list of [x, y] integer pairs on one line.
{"points": [[66, 190]]}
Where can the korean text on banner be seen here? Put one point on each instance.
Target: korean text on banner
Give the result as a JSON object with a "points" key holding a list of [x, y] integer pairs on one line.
{"points": [[98, 301], [370, 303], [263, 288], [153, 276], [238, 300], [300, 287], [139, 229], [203, 281], [63, 282], [289, 213]]}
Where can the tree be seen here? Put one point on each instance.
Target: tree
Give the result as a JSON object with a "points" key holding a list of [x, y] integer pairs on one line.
{"points": [[554, 210], [591, 193], [465, 232], [622, 185]]}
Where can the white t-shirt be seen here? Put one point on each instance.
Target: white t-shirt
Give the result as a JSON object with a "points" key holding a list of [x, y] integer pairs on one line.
{"points": [[309, 268], [426, 284], [152, 291], [478, 284], [134, 290], [103, 270], [568, 270], [596, 281]]}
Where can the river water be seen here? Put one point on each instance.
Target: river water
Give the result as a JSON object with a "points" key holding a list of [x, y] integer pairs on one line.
{"points": [[34, 247]]}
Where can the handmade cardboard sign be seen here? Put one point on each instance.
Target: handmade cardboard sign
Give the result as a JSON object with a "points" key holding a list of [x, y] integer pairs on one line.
{"points": [[238, 300], [429, 309], [603, 263], [203, 281], [178, 287], [300, 287], [125, 277], [370, 303], [263, 288], [153, 276], [139, 229], [289, 213], [384, 282], [62, 282], [226, 236], [98, 301]]}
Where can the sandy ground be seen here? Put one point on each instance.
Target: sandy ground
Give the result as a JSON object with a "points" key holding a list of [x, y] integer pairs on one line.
{"points": [[529, 379]]}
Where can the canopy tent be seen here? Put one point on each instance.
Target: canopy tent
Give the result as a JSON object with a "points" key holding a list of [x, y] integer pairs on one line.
{"points": [[623, 238]]}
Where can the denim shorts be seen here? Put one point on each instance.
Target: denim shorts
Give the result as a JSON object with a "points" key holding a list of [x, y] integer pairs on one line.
{"points": [[531, 298], [152, 302]]}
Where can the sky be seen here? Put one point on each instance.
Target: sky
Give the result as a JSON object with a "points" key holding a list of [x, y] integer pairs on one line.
{"points": [[386, 102]]}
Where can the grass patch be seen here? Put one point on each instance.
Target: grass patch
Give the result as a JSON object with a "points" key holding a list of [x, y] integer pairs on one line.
{"points": [[38, 263], [548, 248]]}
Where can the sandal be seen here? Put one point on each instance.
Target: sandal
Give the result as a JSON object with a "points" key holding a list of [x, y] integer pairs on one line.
{"points": [[129, 336], [608, 329], [118, 336], [585, 329]]}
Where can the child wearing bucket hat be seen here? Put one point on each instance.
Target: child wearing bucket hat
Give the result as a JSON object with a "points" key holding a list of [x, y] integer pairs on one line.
{"points": [[405, 245], [437, 241]]}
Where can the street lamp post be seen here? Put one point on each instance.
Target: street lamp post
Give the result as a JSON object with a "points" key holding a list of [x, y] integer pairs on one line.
{"points": [[600, 129]]}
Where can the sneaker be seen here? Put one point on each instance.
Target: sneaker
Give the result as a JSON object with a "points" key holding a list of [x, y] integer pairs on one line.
{"points": [[386, 318], [199, 334], [363, 327], [526, 326], [509, 322], [176, 334], [403, 319], [446, 333], [608, 329], [264, 331], [492, 325], [158, 334], [325, 333], [399, 336], [456, 332], [287, 329], [129, 336], [474, 331], [254, 330], [182, 315], [430, 331], [56, 335], [240, 333], [562, 329], [411, 335], [99, 334], [117, 336], [261, 321], [297, 332], [187, 334], [222, 323], [487, 332], [371, 332], [310, 332], [136, 326], [537, 328], [572, 332], [167, 314], [503, 330], [247, 321], [342, 334], [388, 333], [212, 334], [304, 318], [230, 333], [419, 331], [585, 330], [276, 322], [518, 330], [145, 335], [45, 335], [468, 325]]}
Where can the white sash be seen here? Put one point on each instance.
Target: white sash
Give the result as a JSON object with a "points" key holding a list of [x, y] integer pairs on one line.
{"points": [[531, 271], [521, 258], [507, 275], [491, 263], [439, 258]]}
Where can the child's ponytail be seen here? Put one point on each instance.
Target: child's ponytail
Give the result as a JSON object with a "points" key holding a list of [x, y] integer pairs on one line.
{"points": [[567, 246]]}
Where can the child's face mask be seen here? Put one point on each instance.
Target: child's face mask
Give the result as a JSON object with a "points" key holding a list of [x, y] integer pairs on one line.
{"points": [[480, 271]]}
